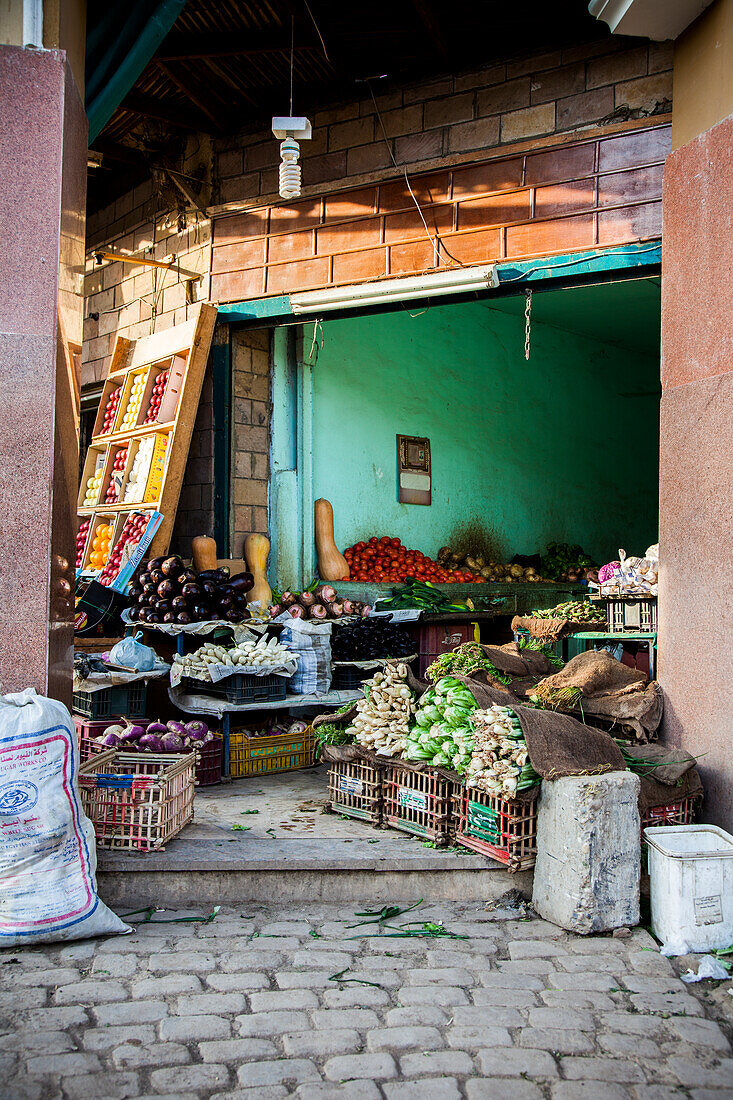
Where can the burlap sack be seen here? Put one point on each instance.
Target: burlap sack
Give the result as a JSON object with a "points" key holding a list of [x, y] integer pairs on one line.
{"points": [[654, 794]]}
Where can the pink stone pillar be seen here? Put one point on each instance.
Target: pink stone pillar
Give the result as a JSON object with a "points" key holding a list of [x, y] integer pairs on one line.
{"points": [[42, 220], [696, 487]]}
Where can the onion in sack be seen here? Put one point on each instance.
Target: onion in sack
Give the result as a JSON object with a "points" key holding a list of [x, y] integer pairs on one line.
{"points": [[196, 730]]}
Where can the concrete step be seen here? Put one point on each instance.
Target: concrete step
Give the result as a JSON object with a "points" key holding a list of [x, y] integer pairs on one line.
{"points": [[201, 872]]}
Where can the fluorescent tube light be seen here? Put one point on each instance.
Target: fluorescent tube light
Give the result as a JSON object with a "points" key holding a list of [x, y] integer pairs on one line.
{"points": [[383, 291]]}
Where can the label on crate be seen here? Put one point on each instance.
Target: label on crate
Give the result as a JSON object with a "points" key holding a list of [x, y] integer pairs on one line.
{"points": [[411, 800], [482, 822], [708, 910], [157, 466], [349, 784]]}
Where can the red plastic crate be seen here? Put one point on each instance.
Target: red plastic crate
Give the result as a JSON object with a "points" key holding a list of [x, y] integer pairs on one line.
{"points": [[681, 812], [209, 760]]}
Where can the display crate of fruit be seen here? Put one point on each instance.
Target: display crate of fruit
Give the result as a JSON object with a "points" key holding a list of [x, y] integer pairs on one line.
{"points": [[253, 755], [355, 789], [137, 801], [500, 828], [418, 802]]}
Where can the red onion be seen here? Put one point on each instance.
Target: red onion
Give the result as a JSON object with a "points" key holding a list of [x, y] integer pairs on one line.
{"points": [[306, 599], [347, 607], [196, 730], [318, 611], [325, 593], [335, 609], [287, 599], [296, 612]]}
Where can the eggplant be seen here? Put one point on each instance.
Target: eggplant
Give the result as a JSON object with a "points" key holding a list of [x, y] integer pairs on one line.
{"points": [[155, 563], [191, 591], [183, 617], [217, 576], [166, 589], [244, 582], [233, 616], [187, 577], [134, 591], [200, 611], [172, 567], [169, 617], [149, 589], [163, 607], [153, 617], [156, 576], [179, 603], [135, 614], [225, 603], [208, 588]]}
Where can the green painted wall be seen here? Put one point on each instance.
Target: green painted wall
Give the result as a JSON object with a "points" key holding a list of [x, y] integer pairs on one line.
{"points": [[554, 449]]}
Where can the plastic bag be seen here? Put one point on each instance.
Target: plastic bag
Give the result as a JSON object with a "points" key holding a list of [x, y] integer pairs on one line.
{"points": [[709, 968], [132, 654], [48, 858]]}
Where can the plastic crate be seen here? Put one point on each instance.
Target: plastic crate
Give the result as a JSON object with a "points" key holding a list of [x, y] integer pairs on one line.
{"points": [[87, 730], [137, 801], [210, 758], [418, 802], [349, 677], [632, 613], [682, 812], [127, 699], [503, 829], [355, 789], [251, 755], [241, 687]]}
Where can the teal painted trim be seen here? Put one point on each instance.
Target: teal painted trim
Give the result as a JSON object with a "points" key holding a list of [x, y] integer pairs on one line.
{"points": [[624, 258], [286, 564], [258, 309], [596, 262], [305, 457], [221, 399], [119, 49]]}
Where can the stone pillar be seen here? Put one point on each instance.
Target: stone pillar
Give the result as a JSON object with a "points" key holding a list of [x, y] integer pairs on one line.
{"points": [[42, 212], [696, 460]]}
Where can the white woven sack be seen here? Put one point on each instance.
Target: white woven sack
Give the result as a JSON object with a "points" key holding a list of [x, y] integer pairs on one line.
{"points": [[48, 860]]}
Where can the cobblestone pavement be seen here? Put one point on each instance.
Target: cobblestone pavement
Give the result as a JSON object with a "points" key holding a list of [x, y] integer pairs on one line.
{"points": [[246, 1007]]}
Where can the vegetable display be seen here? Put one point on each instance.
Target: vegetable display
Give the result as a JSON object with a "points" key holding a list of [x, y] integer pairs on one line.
{"points": [[421, 594], [156, 737], [463, 660], [459, 564], [443, 735], [370, 639], [131, 534], [500, 762], [384, 560], [322, 602], [260, 654], [385, 713], [563, 562], [575, 611], [166, 591]]}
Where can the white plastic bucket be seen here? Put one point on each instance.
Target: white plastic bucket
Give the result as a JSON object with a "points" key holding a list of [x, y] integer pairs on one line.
{"points": [[691, 883]]}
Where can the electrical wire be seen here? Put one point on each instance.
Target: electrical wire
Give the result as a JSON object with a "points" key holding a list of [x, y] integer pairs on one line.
{"points": [[574, 263], [292, 60]]}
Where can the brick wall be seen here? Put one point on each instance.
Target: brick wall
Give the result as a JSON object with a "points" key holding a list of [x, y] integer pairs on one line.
{"points": [[448, 119], [250, 436]]}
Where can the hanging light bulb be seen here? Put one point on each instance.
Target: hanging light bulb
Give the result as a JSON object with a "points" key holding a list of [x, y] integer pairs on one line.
{"points": [[289, 130]]}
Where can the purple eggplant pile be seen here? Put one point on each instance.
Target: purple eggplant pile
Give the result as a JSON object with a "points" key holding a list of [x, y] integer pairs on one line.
{"points": [[166, 591], [156, 736]]}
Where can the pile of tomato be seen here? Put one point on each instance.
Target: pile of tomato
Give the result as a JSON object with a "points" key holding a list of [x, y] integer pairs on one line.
{"points": [[385, 559]]}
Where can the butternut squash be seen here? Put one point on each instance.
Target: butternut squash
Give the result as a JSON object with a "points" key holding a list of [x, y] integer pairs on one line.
{"points": [[332, 565], [256, 549], [204, 553]]}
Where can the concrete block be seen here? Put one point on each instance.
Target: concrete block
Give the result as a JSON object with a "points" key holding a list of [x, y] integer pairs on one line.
{"points": [[588, 852]]}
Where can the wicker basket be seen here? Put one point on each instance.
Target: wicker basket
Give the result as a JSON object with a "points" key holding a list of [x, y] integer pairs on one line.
{"points": [[355, 790], [418, 802], [250, 755], [503, 829], [137, 802]]}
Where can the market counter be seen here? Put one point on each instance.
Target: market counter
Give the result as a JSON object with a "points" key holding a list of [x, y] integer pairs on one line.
{"points": [[511, 598]]}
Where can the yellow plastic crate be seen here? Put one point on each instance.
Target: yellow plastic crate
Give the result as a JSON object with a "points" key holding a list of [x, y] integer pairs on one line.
{"points": [[264, 755]]}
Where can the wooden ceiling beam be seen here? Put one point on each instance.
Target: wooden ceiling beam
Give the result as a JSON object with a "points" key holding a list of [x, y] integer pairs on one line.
{"points": [[150, 107], [190, 94], [431, 23], [242, 44]]}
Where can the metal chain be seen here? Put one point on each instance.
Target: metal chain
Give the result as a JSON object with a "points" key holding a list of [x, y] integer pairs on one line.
{"points": [[527, 321]]}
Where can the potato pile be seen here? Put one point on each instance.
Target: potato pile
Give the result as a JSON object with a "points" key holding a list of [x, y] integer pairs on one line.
{"points": [[489, 570]]}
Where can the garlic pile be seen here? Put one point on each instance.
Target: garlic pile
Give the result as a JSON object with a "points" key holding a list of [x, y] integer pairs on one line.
{"points": [[385, 713], [249, 654], [500, 762], [138, 478]]}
